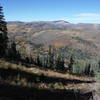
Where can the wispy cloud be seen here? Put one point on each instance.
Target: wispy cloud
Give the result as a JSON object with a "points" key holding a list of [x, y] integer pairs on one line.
{"points": [[88, 15], [85, 17]]}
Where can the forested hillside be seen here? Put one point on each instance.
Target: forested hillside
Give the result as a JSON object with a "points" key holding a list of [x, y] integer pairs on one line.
{"points": [[49, 60]]}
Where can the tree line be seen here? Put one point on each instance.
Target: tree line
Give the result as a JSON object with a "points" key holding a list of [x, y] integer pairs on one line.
{"points": [[8, 49], [52, 59]]}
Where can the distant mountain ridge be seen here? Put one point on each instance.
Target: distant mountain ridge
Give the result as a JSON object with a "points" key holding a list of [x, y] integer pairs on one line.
{"points": [[60, 24], [37, 21]]}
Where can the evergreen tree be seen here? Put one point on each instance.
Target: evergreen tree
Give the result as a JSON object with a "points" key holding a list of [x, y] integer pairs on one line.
{"points": [[38, 60], [51, 57], [27, 60], [62, 68], [99, 66], [3, 34], [87, 69], [12, 53], [71, 64]]}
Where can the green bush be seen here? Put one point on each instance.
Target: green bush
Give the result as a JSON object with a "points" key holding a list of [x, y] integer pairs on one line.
{"points": [[97, 77]]}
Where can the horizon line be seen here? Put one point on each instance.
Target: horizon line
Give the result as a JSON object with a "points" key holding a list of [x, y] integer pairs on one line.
{"points": [[51, 21]]}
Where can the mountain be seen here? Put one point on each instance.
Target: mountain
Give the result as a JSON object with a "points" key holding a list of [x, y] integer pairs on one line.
{"points": [[84, 37]]}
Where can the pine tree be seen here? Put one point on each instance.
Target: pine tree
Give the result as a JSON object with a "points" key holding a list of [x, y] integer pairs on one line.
{"points": [[27, 60], [87, 69], [99, 66], [38, 60], [71, 64], [60, 63], [51, 57], [12, 53], [3, 34]]}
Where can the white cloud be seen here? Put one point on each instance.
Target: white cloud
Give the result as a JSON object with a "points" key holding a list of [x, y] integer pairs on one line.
{"points": [[88, 15], [86, 18], [83, 18]]}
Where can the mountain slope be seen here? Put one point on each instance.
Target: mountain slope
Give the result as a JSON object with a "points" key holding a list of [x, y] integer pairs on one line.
{"points": [[84, 37]]}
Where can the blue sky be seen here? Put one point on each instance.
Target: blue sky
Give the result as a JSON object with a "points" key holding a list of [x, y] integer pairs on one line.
{"points": [[74, 11]]}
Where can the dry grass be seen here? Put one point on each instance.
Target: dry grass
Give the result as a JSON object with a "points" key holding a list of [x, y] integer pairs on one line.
{"points": [[39, 71], [48, 73]]}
